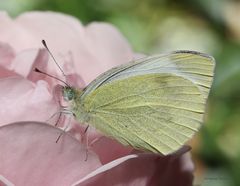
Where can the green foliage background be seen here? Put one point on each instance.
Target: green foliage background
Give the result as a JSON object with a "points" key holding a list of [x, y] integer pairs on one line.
{"points": [[155, 26]]}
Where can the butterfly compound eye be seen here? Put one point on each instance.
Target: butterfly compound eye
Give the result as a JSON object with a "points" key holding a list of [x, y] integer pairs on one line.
{"points": [[68, 93]]}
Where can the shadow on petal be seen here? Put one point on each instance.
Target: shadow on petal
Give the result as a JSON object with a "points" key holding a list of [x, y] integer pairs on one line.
{"points": [[142, 170]]}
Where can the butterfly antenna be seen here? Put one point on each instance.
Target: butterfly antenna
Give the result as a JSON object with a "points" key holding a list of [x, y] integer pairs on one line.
{"points": [[54, 77], [46, 47]]}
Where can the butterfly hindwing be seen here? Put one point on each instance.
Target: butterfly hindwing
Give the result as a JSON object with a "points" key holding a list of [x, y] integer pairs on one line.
{"points": [[155, 112]]}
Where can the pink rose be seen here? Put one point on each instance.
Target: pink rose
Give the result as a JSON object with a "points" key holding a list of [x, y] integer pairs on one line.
{"points": [[29, 154]]}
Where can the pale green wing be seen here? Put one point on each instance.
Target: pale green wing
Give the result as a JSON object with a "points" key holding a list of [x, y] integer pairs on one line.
{"points": [[194, 66], [155, 112]]}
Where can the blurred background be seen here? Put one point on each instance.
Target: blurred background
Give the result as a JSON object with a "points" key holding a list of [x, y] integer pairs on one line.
{"points": [[157, 26]]}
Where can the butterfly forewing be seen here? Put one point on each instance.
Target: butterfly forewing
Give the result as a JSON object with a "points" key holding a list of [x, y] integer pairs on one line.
{"points": [[196, 67]]}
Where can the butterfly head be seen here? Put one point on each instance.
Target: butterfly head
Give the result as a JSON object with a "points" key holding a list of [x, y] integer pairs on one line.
{"points": [[69, 93]]}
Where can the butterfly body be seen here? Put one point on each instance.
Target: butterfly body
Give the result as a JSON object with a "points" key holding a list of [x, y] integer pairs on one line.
{"points": [[154, 104]]}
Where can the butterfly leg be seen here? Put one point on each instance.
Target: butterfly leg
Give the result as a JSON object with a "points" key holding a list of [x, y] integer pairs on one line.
{"points": [[85, 131], [60, 112], [87, 144], [86, 141], [69, 122], [85, 136], [58, 120], [87, 148], [64, 110]]}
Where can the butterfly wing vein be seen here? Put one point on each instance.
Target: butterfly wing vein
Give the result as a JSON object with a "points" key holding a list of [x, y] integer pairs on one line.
{"points": [[145, 118]]}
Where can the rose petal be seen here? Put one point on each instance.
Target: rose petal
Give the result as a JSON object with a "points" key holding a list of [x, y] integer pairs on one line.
{"points": [[93, 49], [22, 100], [140, 170], [12, 33], [5, 182], [6, 54], [113, 49], [23, 62], [79, 131], [4, 73], [113, 151], [98, 143], [75, 80], [105, 168], [40, 62], [30, 156], [186, 164]]}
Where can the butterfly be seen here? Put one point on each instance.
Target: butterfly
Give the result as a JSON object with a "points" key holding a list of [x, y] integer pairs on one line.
{"points": [[155, 103]]}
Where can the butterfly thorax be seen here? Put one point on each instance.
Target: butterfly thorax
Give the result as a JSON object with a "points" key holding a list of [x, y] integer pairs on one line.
{"points": [[73, 96]]}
